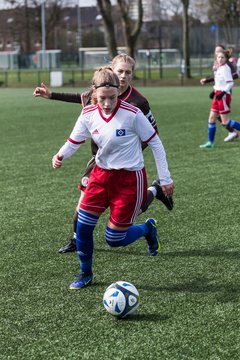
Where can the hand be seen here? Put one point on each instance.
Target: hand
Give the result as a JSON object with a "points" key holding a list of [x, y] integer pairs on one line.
{"points": [[57, 161], [168, 189], [220, 96], [202, 81], [42, 91], [211, 95]]}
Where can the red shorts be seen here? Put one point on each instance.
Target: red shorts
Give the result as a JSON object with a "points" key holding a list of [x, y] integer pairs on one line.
{"points": [[122, 191], [221, 106]]}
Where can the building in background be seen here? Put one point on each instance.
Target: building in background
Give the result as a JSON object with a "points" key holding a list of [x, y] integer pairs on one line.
{"points": [[151, 10]]}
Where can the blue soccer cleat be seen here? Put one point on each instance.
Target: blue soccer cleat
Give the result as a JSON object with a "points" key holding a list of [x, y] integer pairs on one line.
{"points": [[81, 281], [153, 241]]}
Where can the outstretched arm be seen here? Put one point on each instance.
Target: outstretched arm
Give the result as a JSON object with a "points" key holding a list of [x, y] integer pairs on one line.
{"points": [[206, 80], [44, 92]]}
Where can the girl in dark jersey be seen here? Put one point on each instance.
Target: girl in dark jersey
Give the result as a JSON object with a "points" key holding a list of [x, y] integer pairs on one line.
{"points": [[123, 65]]}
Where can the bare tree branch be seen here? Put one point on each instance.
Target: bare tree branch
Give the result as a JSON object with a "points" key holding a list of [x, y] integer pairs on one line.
{"points": [[106, 12]]}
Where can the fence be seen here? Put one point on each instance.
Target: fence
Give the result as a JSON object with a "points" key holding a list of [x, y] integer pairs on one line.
{"points": [[146, 74]]}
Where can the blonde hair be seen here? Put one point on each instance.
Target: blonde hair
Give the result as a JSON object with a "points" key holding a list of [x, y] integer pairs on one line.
{"points": [[226, 54], [105, 76], [125, 58]]}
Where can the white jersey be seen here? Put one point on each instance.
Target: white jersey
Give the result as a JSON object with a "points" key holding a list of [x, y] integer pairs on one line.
{"points": [[118, 138], [223, 79]]}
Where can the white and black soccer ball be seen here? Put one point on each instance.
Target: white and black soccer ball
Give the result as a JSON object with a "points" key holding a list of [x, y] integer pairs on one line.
{"points": [[121, 299]]}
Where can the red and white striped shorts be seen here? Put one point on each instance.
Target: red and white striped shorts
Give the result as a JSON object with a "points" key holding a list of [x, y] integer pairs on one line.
{"points": [[121, 190]]}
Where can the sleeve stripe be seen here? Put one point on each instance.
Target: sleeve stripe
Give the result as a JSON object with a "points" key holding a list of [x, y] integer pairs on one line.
{"points": [[146, 141], [76, 142]]}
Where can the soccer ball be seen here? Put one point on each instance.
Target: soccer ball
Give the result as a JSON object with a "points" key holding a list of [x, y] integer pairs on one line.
{"points": [[121, 299]]}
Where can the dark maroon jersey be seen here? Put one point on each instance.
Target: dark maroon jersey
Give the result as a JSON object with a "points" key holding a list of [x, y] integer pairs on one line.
{"points": [[131, 95]]}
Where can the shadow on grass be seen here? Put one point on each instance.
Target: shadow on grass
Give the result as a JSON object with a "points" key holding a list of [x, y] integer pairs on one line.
{"points": [[214, 252], [146, 317], [225, 292]]}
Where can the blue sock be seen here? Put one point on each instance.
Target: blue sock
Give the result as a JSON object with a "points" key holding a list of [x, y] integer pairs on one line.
{"points": [[84, 241], [233, 124], [117, 238], [211, 131]]}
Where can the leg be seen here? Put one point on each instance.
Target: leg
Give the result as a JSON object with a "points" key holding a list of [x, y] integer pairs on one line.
{"points": [[155, 191], [232, 134], [124, 209], [85, 227], [230, 123], [71, 244], [117, 236], [211, 131]]}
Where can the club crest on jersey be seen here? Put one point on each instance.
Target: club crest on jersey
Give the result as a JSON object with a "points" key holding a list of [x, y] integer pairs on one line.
{"points": [[120, 132]]}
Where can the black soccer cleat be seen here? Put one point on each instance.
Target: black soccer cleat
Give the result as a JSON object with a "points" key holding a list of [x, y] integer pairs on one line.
{"points": [[69, 247], [166, 200]]}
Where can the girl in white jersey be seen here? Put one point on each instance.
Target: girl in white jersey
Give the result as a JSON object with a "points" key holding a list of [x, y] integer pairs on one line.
{"points": [[123, 65], [222, 99], [118, 180], [232, 134]]}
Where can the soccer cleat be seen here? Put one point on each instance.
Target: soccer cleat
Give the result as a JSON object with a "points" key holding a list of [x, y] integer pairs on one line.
{"points": [[231, 136], [166, 200], [152, 237], [69, 247], [81, 281], [207, 145]]}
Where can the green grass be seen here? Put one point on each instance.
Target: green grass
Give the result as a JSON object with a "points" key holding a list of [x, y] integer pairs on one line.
{"points": [[75, 76], [189, 293]]}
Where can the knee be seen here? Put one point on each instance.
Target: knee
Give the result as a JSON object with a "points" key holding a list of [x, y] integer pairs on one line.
{"points": [[115, 238], [212, 123], [75, 216], [229, 125]]}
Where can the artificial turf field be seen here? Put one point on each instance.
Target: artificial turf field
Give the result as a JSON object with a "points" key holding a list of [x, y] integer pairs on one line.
{"points": [[189, 293]]}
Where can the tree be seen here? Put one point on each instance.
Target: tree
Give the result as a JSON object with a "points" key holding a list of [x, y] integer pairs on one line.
{"points": [[226, 15], [27, 21], [131, 28], [186, 53], [27, 28], [105, 9]]}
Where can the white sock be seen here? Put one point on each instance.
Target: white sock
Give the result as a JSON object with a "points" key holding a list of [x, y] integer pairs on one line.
{"points": [[153, 190]]}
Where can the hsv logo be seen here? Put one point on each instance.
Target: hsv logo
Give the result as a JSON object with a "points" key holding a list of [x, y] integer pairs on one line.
{"points": [[120, 132]]}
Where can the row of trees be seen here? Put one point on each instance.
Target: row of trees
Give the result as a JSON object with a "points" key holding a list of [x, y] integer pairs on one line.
{"points": [[223, 13], [220, 14]]}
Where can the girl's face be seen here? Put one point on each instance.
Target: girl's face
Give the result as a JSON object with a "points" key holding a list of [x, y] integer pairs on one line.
{"points": [[221, 58], [107, 98], [124, 72]]}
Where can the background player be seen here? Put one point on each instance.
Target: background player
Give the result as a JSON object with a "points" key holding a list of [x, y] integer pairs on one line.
{"points": [[232, 63], [222, 99]]}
